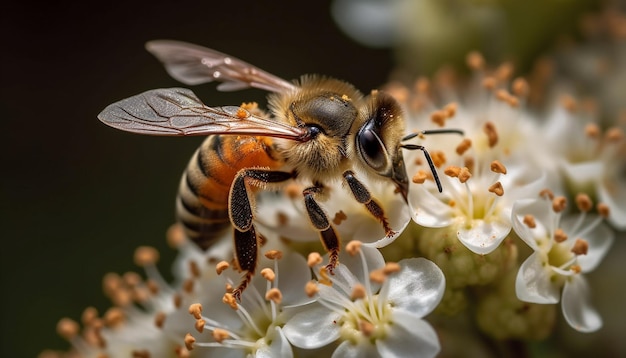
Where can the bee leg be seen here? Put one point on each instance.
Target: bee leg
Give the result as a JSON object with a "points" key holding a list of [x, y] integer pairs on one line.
{"points": [[363, 196], [240, 205], [319, 219]]}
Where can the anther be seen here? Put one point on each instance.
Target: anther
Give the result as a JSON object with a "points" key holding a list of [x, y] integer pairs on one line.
{"points": [[89, 315], [497, 189], [465, 144], [452, 171], [489, 83], [547, 194], [153, 286], [529, 220], [274, 295], [603, 210], [450, 109], [420, 177], [475, 61], [438, 157], [559, 203], [195, 309], [314, 259], [422, 85], [340, 217], [592, 130], [492, 134], [581, 247], [353, 247], [175, 236], [188, 285], [367, 328], [268, 274], [159, 319], [220, 335], [583, 202], [131, 279], [569, 103], [274, 254], [614, 134], [67, 328], [498, 167], [439, 118], [221, 266], [464, 175], [230, 300], [378, 276], [199, 325], [189, 341], [311, 289], [145, 256], [177, 299], [182, 352], [576, 268], [560, 235], [504, 71], [520, 87], [194, 269], [113, 317], [358, 291], [391, 267]]}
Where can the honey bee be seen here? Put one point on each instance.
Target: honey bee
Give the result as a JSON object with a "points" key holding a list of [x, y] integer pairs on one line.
{"points": [[320, 129]]}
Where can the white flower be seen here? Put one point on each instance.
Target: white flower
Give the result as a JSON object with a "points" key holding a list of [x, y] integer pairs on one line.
{"points": [[252, 327], [373, 309], [564, 250]]}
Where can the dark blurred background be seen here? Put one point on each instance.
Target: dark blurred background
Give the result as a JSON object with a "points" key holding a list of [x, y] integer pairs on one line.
{"points": [[77, 196]]}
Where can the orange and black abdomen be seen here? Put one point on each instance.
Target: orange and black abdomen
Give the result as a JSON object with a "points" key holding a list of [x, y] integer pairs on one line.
{"points": [[202, 202]]}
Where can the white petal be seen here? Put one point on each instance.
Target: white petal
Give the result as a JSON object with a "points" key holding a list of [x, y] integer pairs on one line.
{"points": [[313, 327], [600, 240], [576, 306], [348, 350], [279, 347], [484, 237], [418, 287], [583, 173], [542, 213], [293, 274], [427, 209], [616, 201], [409, 336], [373, 259], [533, 284]]}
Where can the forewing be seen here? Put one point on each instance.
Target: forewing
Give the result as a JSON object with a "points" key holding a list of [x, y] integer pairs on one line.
{"points": [[192, 65], [178, 112]]}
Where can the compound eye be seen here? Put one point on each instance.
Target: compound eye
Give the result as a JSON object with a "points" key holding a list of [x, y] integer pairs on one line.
{"points": [[371, 148]]}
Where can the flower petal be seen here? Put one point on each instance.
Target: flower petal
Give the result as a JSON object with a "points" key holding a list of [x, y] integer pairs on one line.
{"points": [[576, 306], [279, 347], [294, 273], [348, 350], [537, 208], [484, 237], [418, 287], [616, 201], [533, 282], [600, 240], [427, 209], [315, 326], [409, 336]]}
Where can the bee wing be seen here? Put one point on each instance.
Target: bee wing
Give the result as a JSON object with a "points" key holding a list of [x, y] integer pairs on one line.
{"points": [[178, 112], [192, 65]]}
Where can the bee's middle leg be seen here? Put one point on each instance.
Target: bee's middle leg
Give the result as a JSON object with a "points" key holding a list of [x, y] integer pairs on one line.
{"points": [[363, 196], [240, 209], [320, 221]]}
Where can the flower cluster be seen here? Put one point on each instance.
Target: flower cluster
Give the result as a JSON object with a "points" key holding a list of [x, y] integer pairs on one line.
{"points": [[492, 254]]}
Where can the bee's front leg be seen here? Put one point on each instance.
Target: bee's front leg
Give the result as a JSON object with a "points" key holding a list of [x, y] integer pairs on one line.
{"points": [[363, 196]]}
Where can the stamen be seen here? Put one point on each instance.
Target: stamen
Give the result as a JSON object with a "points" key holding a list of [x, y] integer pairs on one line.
{"points": [[199, 325], [497, 189], [583, 202], [189, 341], [560, 235], [492, 134], [465, 144], [221, 266], [358, 292], [581, 247], [220, 335], [438, 157], [489, 83], [504, 71], [520, 87], [340, 217], [450, 109], [391, 267], [67, 328], [475, 61], [558, 204], [145, 256], [194, 269], [378, 276], [89, 315], [576, 268], [422, 85], [153, 286], [569, 103], [592, 130], [311, 288], [546, 193], [353, 247], [268, 274], [464, 175], [274, 254], [603, 210], [230, 300], [175, 236], [274, 295], [314, 259], [452, 171], [182, 352], [113, 317], [439, 118], [367, 328], [498, 167], [188, 285], [159, 319], [195, 309], [177, 300], [420, 177], [614, 135], [529, 220]]}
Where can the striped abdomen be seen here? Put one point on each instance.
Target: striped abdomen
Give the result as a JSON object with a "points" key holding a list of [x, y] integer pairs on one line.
{"points": [[202, 203]]}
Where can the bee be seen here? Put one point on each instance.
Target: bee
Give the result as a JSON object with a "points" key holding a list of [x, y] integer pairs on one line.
{"points": [[320, 129]]}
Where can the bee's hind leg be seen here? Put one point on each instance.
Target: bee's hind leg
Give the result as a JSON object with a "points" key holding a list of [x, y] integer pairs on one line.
{"points": [[240, 208], [319, 219]]}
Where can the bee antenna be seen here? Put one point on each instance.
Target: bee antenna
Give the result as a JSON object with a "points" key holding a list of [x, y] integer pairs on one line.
{"points": [[431, 165], [433, 131]]}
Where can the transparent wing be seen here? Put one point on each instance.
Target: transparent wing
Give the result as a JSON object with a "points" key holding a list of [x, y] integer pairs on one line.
{"points": [[178, 112], [192, 65]]}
